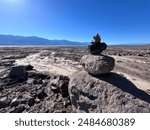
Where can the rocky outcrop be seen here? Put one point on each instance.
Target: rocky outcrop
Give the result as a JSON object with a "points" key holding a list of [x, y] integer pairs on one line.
{"points": [[97, 65], [40, 92], [111, 93]]}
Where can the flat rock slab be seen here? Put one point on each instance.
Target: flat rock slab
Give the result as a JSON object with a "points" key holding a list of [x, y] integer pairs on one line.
{"points": [[109, 93], [97, 64]]}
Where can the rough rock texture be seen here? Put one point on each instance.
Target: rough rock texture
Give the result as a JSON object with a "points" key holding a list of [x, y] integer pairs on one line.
{"points": [[97, 46], [127, 61], [59, 85], [18, 72], [96, 49], [111, 93], [97, 65], [29, 67], [41, 92]]}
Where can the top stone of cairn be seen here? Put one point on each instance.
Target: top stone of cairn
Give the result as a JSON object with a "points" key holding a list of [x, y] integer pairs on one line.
{"points": [[97, 47], [96, 39]]}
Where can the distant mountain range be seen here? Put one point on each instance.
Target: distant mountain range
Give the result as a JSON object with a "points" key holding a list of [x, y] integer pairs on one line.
{"points": [[32, 40]]}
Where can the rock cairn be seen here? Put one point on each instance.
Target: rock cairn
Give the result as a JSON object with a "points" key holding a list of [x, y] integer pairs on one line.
{"points": [[95, 63], [92, 93]]}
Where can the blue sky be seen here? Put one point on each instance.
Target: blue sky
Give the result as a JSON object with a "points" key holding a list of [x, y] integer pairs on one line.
{"points": [[118, 21]]}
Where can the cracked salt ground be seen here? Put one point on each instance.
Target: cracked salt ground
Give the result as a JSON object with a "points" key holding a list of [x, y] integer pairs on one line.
{"points": [[49, 63]]}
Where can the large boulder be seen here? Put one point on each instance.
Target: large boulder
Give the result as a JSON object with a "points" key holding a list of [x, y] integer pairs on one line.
{"points": [[111, 93], [97, 64], [18, 72]]}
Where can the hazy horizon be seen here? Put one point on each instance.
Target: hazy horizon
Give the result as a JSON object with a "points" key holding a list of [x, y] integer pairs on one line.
{"points": [[118, 22], [86, 42]]}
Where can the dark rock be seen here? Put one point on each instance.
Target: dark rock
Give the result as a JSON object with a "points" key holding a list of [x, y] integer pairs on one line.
{"points": [[4, 102], [18, 109], [140, 55], [97, 65], [10, 82], [23, 101], [22, 89], [15, 102], [1, 88], [18, 72], [118, 54], [38, 75], [111, 93], [41, 94], [29, 67], [97, 46], [31, 101], [97, 49], [37, 81], [12, 110], [63, 85]]}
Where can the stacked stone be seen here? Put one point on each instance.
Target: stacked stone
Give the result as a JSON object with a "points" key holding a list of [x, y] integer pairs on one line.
{"points": [[95, 63], [97, 46]]}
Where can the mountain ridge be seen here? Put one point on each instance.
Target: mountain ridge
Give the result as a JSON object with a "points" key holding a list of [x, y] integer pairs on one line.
{"points": [[34, 40]]}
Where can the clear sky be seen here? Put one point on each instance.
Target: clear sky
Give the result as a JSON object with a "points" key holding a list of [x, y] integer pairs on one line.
{"points": [[118, 21]]}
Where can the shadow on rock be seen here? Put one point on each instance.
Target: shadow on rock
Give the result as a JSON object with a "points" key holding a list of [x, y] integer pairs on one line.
{"points": [[125, 85], [88, 106]]}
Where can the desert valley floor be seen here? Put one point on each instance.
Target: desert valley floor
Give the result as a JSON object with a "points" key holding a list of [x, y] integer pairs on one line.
{"points": [[56, 64]]}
